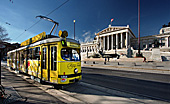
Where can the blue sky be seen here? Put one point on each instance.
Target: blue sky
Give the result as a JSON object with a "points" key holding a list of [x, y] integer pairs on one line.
{"points": [[91, 16]]}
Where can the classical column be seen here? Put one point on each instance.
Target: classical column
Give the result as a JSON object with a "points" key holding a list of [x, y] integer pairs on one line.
{"points": [[167, 42], [107, 42], [147, 45], [97, 39], [117, 41], [112, 42], [127, 40], [104, 43], [121, 40], [100, 43]]}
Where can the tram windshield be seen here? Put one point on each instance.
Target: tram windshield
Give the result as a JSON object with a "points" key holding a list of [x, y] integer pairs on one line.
{"points": [[70, 54]]}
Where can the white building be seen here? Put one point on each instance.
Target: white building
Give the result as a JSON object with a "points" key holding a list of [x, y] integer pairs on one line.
{"points": [[109, 40], [114, 37], [146, 42], [121, 40]]}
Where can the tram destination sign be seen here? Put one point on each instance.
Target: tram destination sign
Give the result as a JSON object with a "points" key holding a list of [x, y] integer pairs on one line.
{"points": [[69, 44], [34, 39]]}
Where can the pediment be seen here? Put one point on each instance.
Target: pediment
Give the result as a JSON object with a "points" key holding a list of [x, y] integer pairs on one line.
{"points": [[110, 29]]}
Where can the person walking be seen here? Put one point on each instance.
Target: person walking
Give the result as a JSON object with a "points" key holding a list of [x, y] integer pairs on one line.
{"points": [[144, 59]]}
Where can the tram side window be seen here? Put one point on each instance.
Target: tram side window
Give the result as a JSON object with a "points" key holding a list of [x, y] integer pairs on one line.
{"points": [[8, 56], [14, 57], [21, 57], [36, 55], [44, 58], [17, 58], [25, 54], [53, 58], [30, 54]]}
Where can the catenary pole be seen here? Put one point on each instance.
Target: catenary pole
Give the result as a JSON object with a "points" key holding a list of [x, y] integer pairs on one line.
{"points": [[139, 27]]}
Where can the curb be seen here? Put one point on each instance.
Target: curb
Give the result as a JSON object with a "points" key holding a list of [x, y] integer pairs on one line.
{"points": [[136, 69]]}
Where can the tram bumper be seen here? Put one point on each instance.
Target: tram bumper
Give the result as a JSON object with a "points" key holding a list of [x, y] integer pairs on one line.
{"points": [[69, 80]]}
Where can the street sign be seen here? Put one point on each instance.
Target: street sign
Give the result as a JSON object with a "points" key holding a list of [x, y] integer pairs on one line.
{"points": [[2, 46]]}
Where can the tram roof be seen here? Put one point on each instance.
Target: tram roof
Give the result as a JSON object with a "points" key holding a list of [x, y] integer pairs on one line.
{"points": [[49, 39]]}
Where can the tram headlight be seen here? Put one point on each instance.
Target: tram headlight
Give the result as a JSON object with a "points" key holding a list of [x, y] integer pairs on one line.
{"points": [[75, 70]]}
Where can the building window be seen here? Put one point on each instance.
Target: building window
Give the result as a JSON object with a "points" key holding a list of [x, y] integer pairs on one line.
{"points": [[144, 45], [163, 38], [150, 45], [168, 41], [163, 44]]}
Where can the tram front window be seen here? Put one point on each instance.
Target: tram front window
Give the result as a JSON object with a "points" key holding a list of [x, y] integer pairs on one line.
{"points": [[70, 54]]}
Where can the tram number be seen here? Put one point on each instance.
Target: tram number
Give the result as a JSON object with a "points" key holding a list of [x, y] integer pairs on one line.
{"points": [[64, 76]]}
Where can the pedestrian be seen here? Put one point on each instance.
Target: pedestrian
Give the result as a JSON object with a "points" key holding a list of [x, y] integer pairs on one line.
{"points": [[144, 59]]}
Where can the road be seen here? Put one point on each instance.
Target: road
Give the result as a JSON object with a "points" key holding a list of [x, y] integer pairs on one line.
{"points": [[99, 86], [156, 86]]}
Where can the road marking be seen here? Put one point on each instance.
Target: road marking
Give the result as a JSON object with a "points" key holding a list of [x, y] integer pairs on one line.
{"points": [[126, 73], [132, 74]]}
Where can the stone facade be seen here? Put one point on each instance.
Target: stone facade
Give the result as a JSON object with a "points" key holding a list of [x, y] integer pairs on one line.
{"points": [[146, 43], [121, 40]]}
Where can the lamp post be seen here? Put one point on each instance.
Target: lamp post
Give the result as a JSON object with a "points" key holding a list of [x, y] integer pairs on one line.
{"points": [[74, 28]]}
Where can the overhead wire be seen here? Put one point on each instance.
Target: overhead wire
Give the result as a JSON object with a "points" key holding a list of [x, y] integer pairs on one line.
{"points": [[27, 29], [40, 20]]}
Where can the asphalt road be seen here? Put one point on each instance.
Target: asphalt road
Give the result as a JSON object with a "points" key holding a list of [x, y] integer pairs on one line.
{"points": [[156, 86]]}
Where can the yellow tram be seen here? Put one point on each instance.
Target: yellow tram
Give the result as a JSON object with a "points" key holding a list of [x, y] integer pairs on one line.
{"points": [[48, 58]]}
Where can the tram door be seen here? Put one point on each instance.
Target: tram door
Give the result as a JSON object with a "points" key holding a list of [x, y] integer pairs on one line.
{"points": [[53, 64], [44, 65]]}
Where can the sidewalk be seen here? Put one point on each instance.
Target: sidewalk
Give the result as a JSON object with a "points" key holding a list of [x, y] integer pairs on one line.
{"points": [[19, 91], [11, 96], [128, 64]]}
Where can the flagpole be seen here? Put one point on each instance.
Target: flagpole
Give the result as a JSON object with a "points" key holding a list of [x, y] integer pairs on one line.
{"points": [[111, 21]]}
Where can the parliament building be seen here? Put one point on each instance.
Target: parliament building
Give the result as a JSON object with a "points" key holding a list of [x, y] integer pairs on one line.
{"points": [[122, 41]]}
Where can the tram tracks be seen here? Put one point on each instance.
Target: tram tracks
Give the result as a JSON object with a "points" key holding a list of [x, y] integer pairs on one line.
{"points": [[121, 90]]}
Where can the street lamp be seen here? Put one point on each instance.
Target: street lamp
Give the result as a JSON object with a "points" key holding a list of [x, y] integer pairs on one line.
{"points": [[74, 28]]}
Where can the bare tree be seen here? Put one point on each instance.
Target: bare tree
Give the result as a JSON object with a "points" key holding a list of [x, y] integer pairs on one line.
{"points": [[3, 35]]}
